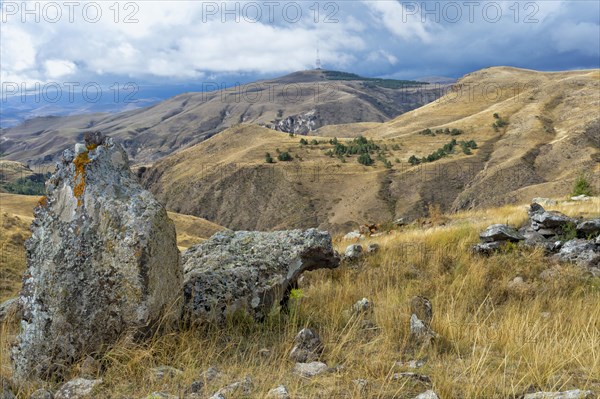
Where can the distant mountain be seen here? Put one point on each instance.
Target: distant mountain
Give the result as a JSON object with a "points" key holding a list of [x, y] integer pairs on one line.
{"points": [[300, 102], [437, 79]]}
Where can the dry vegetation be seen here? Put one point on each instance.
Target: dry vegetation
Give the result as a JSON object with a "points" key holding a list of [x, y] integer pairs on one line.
{"points": [[497, 342]]}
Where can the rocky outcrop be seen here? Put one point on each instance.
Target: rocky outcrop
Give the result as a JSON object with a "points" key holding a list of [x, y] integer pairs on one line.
{"points": [[102, 260], [249, 272], [552, 231]]}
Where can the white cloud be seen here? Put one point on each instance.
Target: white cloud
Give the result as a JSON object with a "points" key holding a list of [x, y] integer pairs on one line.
{"points": [[59, 68]]}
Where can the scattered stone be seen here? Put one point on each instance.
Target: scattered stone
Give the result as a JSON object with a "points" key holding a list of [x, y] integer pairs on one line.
{"points": [[362, 306], [280, 392], [162, 372], [89, 368], [412, 364], [544, 201], [372, 248], [353, 235], [307, 346], [41, 394], [427, 395], [10, 307], [517, 284], [250, 272], [413, 376], [245, 386], [486, 248], [218, 396], [80, 148], [264, 352], [535, 209], [575, 394], [161, 395], [353, 251], [361, 384], [588, 228], [422, 308], [207, 376], [311, 369], [500, 232], [581, 197], [79, 388], [102, 261], [399, 222]]}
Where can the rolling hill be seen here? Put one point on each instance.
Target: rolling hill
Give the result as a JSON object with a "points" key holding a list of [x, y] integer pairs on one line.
{"points": [[300, 102], [535, 134]]}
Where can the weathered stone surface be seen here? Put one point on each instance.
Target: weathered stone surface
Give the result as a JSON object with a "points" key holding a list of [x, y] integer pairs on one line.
{"points": [[500, 232], [583, 252], [309, 370], [362, 306], [102, 260], [307, 346], [244, 386], [574, 394], [420, 321], [588, 228], [535, 209], [427, 395], [79, 388], [486, 248], [410, 375], [250, 272], [205, 377], [280, 392], [354, 235], [550, 219], [581, 197], [353, 251], [41, 394]]}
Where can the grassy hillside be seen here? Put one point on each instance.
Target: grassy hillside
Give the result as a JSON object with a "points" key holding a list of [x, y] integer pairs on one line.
{"points": [[535, 134], [497, 341]]}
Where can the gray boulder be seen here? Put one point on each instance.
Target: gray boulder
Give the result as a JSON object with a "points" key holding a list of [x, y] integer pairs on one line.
{"points": [[353, 251], [500, 232], [79, 388], [309, 370], [486, 248], [549, 220], [307, 346], [41, 394], [582, 252], [427, 395], [102, 261], [280, 392], [589, 228], [249, 272]]}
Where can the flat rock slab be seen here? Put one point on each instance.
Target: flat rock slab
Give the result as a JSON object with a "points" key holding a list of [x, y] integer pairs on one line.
{"points": [[574, 394], [250, 272], [500, 232]]}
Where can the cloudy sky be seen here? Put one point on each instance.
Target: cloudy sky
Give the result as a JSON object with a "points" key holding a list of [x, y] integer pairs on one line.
{"points": [[169, 43]]}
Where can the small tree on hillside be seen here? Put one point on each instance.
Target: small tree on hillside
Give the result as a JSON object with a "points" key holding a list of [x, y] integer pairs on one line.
{"points": [[365, 159], [268, 158], [582, 187]]}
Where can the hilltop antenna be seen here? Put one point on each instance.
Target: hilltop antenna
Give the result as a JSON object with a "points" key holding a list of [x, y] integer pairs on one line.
{"points": [[318, 63]]}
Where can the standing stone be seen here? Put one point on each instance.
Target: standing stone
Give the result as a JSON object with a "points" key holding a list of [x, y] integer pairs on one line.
{"points": [[420, 320], [250, 272], [102, 260]]}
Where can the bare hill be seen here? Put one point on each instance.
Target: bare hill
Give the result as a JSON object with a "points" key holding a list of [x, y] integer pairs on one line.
{"points": [[300, 102], [545, 135]]}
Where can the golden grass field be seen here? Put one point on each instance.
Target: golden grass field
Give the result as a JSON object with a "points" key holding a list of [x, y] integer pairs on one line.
{"points": [[496, 341]]}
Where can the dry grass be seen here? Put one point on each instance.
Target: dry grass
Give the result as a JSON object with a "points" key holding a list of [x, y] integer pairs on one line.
{"points": [[497, 342]]}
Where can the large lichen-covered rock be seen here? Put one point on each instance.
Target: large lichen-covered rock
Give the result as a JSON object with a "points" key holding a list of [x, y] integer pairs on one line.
{"points": [[249, 272], [102, 261]]}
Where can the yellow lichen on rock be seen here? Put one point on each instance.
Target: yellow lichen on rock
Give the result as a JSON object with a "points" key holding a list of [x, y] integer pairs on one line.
{"points": [[80, 162]]}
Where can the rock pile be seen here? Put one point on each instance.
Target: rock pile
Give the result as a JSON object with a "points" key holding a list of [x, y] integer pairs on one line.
{"points": [[102, 260], [249, 272], [565, 238]]}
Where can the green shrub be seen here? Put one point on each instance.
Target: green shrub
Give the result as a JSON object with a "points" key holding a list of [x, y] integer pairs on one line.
{"points": [[303, 142], [285, 157], [582, 187], [365, 159], [314, 142], [268, 158]]}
